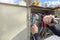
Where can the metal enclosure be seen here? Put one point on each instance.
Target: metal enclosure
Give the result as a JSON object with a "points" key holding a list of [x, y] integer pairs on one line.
{"points": [[13, 22]]}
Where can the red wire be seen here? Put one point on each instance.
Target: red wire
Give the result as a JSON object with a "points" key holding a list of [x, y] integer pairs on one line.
{"points": [[43, 23]]}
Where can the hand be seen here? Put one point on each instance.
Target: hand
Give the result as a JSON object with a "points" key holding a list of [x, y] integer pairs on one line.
{"points": [[54, 23], [48, 18], [34, 29]]}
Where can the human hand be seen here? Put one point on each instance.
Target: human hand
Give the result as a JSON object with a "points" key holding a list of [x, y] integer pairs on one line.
{"points": [[34, 29]]}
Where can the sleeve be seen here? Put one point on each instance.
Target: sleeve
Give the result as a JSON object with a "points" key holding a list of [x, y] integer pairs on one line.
{"points": [[55, 30]]}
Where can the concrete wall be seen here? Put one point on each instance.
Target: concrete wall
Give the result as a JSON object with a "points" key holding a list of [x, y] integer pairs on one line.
{"points": [[13, 21]]}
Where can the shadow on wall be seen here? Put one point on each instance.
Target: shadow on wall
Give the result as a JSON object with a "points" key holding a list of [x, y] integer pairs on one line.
{"points": [[10, 25], [23, 35]]}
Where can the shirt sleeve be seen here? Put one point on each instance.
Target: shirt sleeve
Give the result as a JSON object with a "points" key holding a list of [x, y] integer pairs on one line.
{"points": [[55, 30]]}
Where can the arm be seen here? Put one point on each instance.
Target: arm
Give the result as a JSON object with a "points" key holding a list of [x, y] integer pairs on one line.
{"points": [[55, 30]]}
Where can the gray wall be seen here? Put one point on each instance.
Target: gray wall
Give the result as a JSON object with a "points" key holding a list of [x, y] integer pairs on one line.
{"points": [[13, 22]]}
